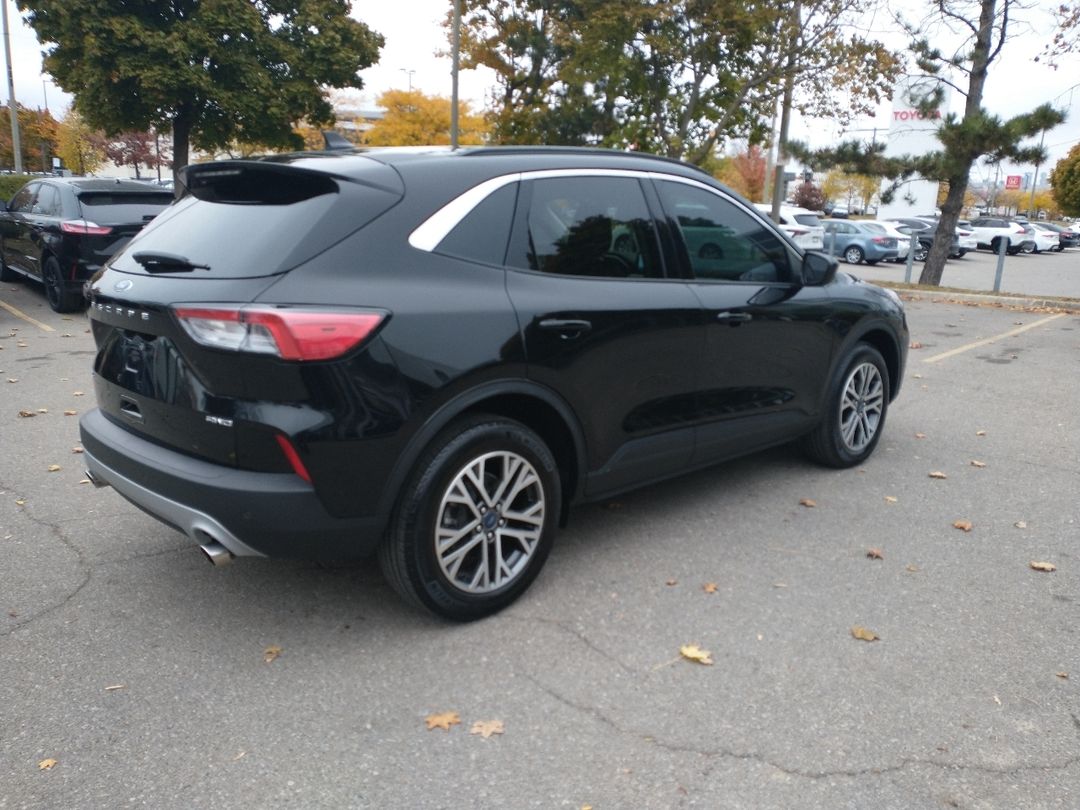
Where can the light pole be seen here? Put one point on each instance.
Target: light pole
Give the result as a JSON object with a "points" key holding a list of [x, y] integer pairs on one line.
{"points": [[408, 73], [455, 47], [13, 108]]}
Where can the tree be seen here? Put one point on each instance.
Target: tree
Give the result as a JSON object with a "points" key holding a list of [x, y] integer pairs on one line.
{"points": [[745, 172], [1065, 181], [964, 138], [38, 133], [807, 195], [81, 147], [678, 78], [414, 119], [135, 149], [210, 72]]}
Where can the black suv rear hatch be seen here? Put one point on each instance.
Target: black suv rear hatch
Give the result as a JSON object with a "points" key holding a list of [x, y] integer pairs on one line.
{"points": [[240, 227]]}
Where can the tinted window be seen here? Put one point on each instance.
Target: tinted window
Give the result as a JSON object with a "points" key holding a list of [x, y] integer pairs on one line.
{"points": [[873, 227], [722, 240], [115, 208], [809, 220], [48, 201], [23, 200], [483, 234], [590, 226]]}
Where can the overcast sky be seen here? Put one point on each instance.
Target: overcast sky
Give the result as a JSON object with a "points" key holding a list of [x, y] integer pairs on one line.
{"points": [[414, 33]]}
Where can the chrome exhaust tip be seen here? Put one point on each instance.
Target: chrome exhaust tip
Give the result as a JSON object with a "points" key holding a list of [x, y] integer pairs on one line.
{"points": [[97, 482], [216, 553]]}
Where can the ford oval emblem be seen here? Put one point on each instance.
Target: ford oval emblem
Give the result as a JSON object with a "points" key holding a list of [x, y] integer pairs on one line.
{"points": [[121, 286]]}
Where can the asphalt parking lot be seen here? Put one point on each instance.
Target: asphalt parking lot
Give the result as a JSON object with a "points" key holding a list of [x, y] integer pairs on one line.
{"points": [[133, 674]]}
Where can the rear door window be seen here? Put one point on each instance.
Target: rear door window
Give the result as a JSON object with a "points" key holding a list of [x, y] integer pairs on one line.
{"points": [[809, 220], [23, 200], [589, 226]]}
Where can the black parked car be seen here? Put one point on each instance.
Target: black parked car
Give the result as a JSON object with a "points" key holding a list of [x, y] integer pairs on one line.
{"points": [[433, 354], [59, 231]]}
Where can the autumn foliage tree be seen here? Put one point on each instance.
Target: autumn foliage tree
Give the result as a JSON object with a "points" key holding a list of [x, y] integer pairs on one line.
{"points": [[81, 147], [415, 119], [1065, 181], [745, 172], [135, 149], [38, 133]]}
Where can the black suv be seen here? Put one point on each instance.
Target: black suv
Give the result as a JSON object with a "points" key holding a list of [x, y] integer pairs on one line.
{"points": [[60, 231], [434, 353]]}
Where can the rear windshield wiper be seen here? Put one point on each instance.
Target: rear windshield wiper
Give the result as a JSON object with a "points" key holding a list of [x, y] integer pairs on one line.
{"points": [[166, 262]]}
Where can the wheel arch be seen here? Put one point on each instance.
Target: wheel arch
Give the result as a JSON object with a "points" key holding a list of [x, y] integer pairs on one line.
{"points": [[538, 408], [888, 347]]}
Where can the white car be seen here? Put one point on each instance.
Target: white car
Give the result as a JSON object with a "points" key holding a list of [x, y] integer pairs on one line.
{"points": [[1045, 238], [903, 238], [802, 225], [990, 231]]}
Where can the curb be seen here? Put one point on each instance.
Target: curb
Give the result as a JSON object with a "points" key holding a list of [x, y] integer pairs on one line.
{"points": [[987, 299]]}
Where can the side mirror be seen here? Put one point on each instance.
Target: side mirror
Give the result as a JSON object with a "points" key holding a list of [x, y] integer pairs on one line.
{"points": [[818, 269]]}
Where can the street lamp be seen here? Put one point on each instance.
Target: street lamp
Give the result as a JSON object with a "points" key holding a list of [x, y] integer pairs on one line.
{"points": [[409, 73]]}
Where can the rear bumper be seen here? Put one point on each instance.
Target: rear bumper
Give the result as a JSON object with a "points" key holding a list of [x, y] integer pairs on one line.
{"points": [[250, 513]]}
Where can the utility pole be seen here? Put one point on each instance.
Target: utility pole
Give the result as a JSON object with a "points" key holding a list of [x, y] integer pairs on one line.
{"points": [[408, 73], [13, 108], [455, 47], [785, 111]]}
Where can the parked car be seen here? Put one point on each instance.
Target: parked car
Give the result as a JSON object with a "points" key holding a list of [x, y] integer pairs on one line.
{"points": [[432, 354], [964, 239], [60, 230], [1067, 236], [858, 241], [1042, 239], [903, 240], [1052, 237], [925, 231], [990, 231], [801, 224]]}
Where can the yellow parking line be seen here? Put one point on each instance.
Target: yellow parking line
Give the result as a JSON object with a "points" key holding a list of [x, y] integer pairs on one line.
{"points": [[20, 314], [984, 341]]}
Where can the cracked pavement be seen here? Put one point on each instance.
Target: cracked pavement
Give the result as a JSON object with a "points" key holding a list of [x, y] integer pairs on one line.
{"points": [[140, 668]]}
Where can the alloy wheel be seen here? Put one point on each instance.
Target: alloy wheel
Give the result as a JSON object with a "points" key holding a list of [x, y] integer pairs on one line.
{"points": [[861, 406], [489, 522]]}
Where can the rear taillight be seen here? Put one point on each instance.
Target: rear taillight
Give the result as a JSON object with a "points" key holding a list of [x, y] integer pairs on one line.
{"points": [[881, 240], [300, 333], [84, 227], [798, 231]]}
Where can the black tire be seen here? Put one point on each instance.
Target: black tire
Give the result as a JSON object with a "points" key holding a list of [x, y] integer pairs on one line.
{"points": [[60, 298], [921, 252], [855, 410], [872, 262], [462, 582], [961, 254], [853, 254]]}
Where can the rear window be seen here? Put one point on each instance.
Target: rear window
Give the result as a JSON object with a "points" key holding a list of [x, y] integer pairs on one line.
{"points": [[257, 221], [111, 208], [809, 220], [873, 227]]}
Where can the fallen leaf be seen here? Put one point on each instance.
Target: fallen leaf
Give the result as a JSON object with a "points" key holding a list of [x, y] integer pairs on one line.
{"points": [[13, 379], [709, 587], [1043, 566], [938, 474], [443, 721], [979, 464], [20, 502], [863, 634], [997, 700], [77, 450], [70, 413], [1063, 675], [46, 764], [891, 499], [672, 582], [239, 756], [912, 569], [875, 554], [917, 376], [779, 584], [27, 414], [980, 432], [809, 504], [962, 525], [271, 652], [76, 393], [486, 728], [920, 435], [54, 468], [915, 345], [114, 687], [42, 410], [1020, 524], [85, 481], [692, 652]]}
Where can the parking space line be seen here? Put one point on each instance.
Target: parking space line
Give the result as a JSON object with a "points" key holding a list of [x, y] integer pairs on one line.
{"points": [[984, 341], [19, 314]]}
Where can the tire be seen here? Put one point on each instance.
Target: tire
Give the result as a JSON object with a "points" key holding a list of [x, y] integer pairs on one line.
{"points": [[921, 252], [961, 254], [60, 298], [858, 401], [1028, 247], [872, 262], [853, 254], [478, 530]]}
